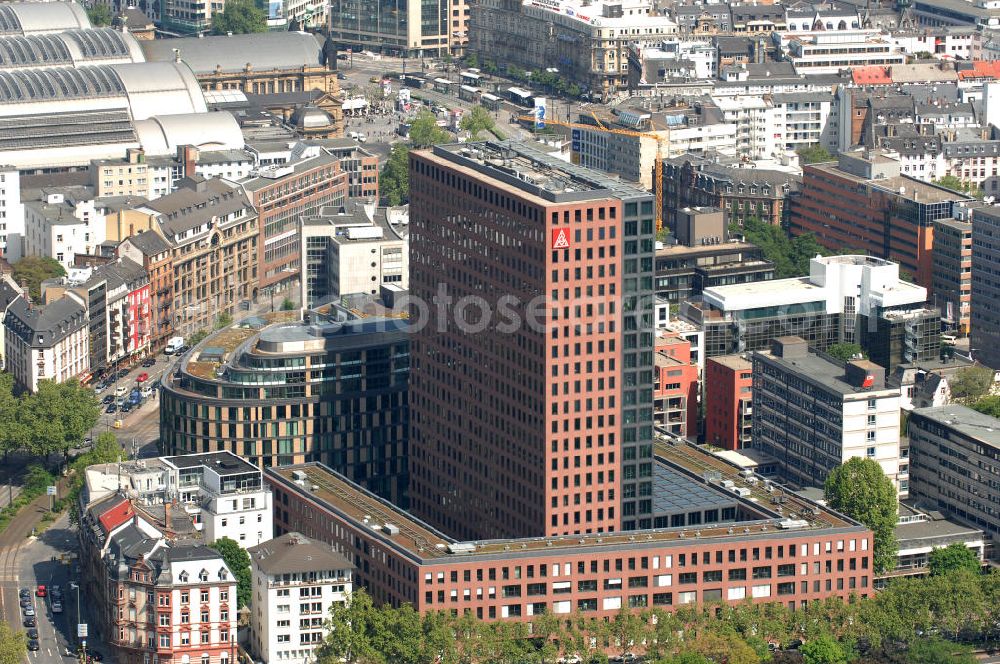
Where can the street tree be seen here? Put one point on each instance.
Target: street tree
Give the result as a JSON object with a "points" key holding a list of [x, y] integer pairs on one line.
{"points": [[935, 650], [394, 181], [971, 383], [352, 632], [239, 17], [956, 556], [823, 650], [860, 489], [625, 630], [477, 121], [238, 561], [13, 645], [424, 131], [31, 271], [13, 431]]}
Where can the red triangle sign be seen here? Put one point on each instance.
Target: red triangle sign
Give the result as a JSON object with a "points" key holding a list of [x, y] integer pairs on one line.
{"points": [[560, 238]]}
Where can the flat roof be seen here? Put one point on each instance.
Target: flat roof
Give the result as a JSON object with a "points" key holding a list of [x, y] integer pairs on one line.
{"points": [[535, 172], [673, 493], [223, 462], [229, 339], [933, 530], [914, 190], [735, 362], [423, 543], [821, 371], [970, 423]]}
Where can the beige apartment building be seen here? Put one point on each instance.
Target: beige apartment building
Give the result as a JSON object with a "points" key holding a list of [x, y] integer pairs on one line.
{"points": [[211, 227]]}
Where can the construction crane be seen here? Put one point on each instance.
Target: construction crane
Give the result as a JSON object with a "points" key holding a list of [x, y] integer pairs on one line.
{"points": [[660, 141]]}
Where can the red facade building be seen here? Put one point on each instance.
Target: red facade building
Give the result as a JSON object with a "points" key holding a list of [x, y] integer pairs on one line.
{"points": [[530, 402], [139, 317], [728, 401], [675, 386], [400, 559], [862, 204]]}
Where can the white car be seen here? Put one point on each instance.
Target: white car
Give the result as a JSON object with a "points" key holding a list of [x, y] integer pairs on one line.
{"points": [[56, 607], [146, 392]]}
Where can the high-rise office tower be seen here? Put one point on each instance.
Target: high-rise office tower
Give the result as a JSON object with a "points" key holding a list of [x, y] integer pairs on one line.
{"points": [[532, 357], [985, 345]]}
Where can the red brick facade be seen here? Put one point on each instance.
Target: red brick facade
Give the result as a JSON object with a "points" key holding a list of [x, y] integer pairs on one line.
{"points": [[728, 397]]}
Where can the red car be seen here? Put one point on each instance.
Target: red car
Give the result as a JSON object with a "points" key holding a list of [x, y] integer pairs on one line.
{"points": [[40, 591], [143, 377]]}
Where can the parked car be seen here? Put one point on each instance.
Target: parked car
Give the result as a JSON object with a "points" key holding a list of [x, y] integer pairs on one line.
{"points": [[29, 621], [32, 633], [121, 390], [25, 602], [33, 644], [122, 373], [24, 592], [56, 607], [126, 407], [55, 591], [41, 591], [112, 408], [108, 398], [29, 611], [142, 378], [147, 391], [182, 350], [149, 361]]}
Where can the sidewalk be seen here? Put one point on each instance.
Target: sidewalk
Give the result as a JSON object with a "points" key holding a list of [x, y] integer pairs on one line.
{"points": [[29, 517]]}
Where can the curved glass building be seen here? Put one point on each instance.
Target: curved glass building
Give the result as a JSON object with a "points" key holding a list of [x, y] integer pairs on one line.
{"points": [[330, 388]]}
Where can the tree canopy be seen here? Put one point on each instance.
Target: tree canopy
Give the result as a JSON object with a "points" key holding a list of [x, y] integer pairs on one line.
{"points": [[99, 15], [13, 645], [477, 121], [890, 626], [987, 405], [238, 561], [394, 181], [971, 383], [956, 184], [52, 420], [424, 131], [239, 17], [790, 255], [31, 271], [844, 352], [860, 489], [814, 154], [956, 556]]}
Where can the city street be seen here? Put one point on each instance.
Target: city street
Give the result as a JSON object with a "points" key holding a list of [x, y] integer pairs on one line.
{"points": [[35, 561]]}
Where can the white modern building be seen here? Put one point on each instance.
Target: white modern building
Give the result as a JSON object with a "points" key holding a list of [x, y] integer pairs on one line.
{"points": [[822, 53], [355, 251], [63, 222], [46, 343], [756, 124], [11, 214], [812, 413], [295, 582], [221, 493], [803, 119]]}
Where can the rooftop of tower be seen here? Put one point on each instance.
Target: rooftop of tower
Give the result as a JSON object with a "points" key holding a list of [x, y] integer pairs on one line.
{"points": [[522, 166]]}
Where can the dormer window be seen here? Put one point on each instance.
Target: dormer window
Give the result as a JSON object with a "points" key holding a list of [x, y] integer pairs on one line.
{"points": [[203, 575], [223, 574], [183, 577]]}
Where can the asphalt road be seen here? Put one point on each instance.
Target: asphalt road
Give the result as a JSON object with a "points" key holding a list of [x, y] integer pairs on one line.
{"points": [[37, 561], [141, 425]]}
